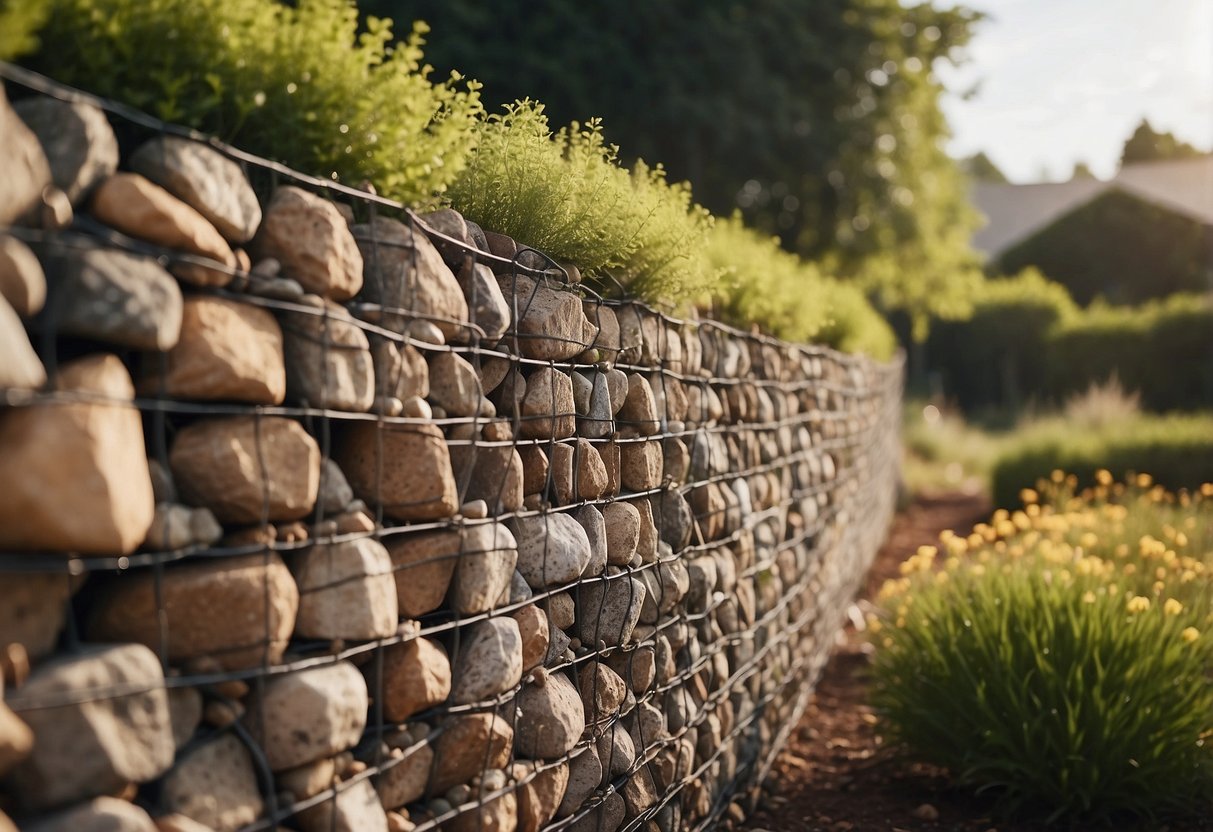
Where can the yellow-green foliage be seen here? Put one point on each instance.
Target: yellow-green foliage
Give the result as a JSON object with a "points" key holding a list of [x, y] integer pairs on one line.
{"points": [[19, 21], [789, 297], [1059, 656], [565, 194], [295, 82]]}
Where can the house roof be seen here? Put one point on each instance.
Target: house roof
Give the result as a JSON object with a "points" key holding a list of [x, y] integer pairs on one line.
{"points": [[1015, 212]]}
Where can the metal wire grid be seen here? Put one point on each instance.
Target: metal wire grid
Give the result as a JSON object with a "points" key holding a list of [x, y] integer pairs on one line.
{"points": [[823, 402]]}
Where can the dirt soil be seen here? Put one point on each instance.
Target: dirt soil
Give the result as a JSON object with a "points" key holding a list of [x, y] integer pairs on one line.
{"points": [[836, 772]]}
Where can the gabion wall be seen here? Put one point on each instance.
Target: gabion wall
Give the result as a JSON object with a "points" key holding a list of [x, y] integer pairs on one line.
{"points": [[320, 515]]}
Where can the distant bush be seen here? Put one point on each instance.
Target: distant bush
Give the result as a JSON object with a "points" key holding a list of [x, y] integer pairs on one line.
{"points": [[1120, 247], [999, 355], [301, 83], [1059, 657], [1163, 350], [566, 194], [1176, 450]]}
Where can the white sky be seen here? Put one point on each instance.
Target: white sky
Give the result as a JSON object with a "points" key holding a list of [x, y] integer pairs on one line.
{"points": [[1061, 81]]}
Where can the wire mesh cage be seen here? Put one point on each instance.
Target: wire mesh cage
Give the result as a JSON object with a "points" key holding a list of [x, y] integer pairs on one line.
{"points": [[322, 514]]}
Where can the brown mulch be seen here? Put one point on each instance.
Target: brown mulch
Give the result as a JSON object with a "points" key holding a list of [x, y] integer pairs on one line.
{"points": [[836, 772]]}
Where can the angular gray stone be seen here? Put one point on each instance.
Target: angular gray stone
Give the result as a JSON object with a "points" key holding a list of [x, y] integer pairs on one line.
{"points": [[551, 712], [400, 369], [355, 808], [585, 775], [303, 716], [484, 568], [552, 549], [205, 179], [488, 661], [111, 296], [347, 590], [405, 274], [87, 748], [486, 305], [608, 610], [328, 360], [215, 784], [591, 519], [78, 141]]}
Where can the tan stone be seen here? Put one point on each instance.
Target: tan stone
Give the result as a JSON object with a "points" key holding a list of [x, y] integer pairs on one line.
{"points": [[22, 281], [33, 606], [423, 563], [27, 172], [76, 475], [539, 793], [403, 468], [535, 466], [534, 628], [309, 237], [578, 472], [548, 411], [143, 210], [346, 590], [496, 814], [16, 739], [640, 465], [466, 745], [238, 611], [227, 351], [102, 814], [354, 808], [552, 325], [416, 676], [484, 569], [247, 469]]}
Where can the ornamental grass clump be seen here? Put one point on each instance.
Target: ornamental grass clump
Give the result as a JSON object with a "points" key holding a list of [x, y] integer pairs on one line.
{"points": [[1060, 657]]}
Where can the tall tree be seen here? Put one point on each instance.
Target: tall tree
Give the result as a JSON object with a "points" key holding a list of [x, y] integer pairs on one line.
{"points": [[817, 119], [1148, 145]]}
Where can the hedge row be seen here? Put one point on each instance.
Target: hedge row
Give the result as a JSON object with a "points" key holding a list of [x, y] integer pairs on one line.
{"points": [[311, 84], [1176, 450], [1027, 340]]}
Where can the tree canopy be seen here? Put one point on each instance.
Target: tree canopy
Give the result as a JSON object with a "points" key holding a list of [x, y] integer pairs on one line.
{"points": [[817, 119], [1148, 145], [981, 167]]}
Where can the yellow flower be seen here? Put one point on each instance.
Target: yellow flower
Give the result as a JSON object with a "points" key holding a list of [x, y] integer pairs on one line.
{"points": [[1088, 597], [1181, 539], [1144, 480], [1206, 489], [1190, 634], [1138, 603], [1089, 540], [1028, 496], [1103, 476], [1172, 607]]}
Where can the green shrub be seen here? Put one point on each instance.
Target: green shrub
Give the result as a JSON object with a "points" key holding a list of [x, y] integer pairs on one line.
{"points": [[763, 284], [1060, 658], [1177, 450], [565, 194], [300, 83], [19, 24], [1162, 350], [1118, 247], [998, 356]]}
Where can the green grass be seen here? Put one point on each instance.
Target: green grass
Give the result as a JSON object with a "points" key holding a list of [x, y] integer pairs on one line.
{"points": [[1059, 658]]}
